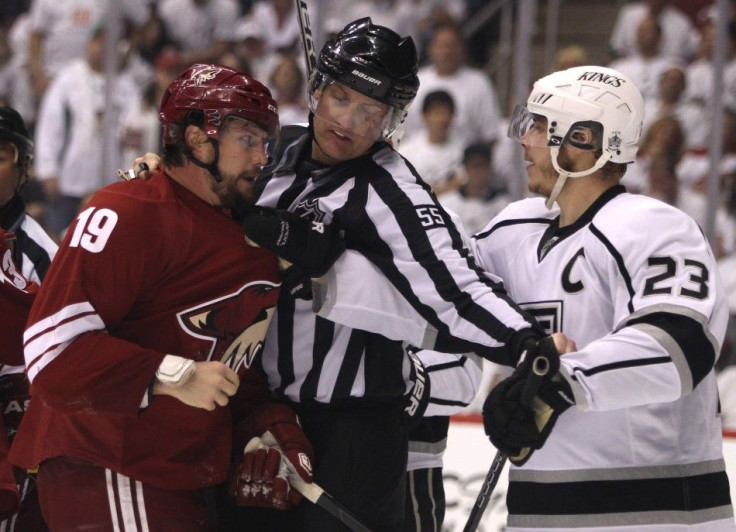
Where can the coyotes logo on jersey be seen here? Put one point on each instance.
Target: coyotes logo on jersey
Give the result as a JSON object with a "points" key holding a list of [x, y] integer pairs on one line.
{"points": [[236, 324]]}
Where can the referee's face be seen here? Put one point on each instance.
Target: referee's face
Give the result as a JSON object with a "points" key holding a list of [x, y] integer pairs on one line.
{"points": [[346, 124]]}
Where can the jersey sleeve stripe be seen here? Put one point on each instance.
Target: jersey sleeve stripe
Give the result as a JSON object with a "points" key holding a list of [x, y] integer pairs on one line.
{"points": [[619, 365], [686, 339], [46, 339], [506, 223], [44, 359], [619, 261], [417, 237]]}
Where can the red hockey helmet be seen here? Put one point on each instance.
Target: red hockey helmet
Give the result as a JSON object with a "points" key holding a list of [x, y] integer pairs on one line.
{"points": [[219, 92]]}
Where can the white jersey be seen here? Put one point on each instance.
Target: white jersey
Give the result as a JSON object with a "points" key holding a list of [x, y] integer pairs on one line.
{"points": [[635, 284]]}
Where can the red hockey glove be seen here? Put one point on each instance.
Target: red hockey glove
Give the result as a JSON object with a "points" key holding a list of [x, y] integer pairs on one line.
{"points": [[276, 448]]}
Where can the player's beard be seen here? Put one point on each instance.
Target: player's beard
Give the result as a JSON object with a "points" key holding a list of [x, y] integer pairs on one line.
{"points": [[230, 194]]}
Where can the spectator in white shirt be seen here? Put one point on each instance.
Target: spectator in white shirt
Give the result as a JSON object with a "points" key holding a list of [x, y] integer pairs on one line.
{"points": [[671, 102], [679, 38], [646, 65], [203, 30], [700, 72], [434, 151], [288, 86], [59, 32], [278, 23], [477, 113], [69, 133]]}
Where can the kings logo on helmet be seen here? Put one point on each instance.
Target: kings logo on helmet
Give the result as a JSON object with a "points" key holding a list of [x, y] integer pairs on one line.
{"points": [[602, 78]]}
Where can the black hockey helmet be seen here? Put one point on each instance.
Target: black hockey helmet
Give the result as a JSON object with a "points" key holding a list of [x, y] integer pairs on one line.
{"points": [[372, 60], [13, 130]]}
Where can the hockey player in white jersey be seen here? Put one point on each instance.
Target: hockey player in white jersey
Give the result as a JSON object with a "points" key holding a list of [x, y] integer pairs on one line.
{"points": [[632, 434]]}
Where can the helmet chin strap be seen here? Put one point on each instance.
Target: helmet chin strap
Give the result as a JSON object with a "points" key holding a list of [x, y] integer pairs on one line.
{"points": [[210, 167], [562, 174]]}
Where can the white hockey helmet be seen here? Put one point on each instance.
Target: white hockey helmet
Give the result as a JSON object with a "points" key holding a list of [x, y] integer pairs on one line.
{"points": [[600, 100]]}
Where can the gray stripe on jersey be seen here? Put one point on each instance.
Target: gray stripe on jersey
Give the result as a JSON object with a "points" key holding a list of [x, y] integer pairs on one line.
{"points": [[679, 310], [618, 473], [666, 519], [670, 345], [427, 447], [545, 522]]}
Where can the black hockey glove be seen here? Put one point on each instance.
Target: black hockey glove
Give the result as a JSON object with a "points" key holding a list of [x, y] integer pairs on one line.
{"points": [[521, 411], [416, 401], [312, 246]]}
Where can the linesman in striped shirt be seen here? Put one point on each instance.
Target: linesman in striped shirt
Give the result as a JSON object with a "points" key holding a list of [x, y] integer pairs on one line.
{"points": [[354, 389]]}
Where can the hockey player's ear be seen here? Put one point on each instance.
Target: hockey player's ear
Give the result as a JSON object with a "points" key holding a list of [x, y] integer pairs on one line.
{"points": [[197, 141]]}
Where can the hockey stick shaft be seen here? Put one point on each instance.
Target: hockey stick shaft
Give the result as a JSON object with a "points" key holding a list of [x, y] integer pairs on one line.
{"points": [[306, 35], [318, 496], [486, 490], [540, 368]]}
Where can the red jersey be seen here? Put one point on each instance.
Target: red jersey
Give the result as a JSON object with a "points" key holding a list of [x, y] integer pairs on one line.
{"points": [[16, 296], [147, 269]]}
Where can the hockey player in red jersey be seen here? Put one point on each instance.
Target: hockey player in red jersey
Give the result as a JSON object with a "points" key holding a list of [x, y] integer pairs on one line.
{"points": [[16, 295], [140, 343]]}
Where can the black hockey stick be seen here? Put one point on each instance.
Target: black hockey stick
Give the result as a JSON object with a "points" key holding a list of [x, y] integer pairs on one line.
{"points": [[306, 34], [540, 368], [313, 493]]}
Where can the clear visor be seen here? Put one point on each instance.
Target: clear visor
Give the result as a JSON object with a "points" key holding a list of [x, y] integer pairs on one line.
{"points": [[250, 135], [533, 130], [529, 127], [351, 111]]}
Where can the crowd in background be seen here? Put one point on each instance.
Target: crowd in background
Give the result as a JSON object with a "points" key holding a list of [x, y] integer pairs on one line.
{"points": [[52, 70]]}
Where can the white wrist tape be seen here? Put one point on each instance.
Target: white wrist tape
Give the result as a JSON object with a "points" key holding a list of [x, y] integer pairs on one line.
{"points": [[175, 370]]}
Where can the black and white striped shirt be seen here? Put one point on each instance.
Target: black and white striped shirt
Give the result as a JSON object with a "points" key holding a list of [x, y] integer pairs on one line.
{"points": [[388, 214], [34, 248]]}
